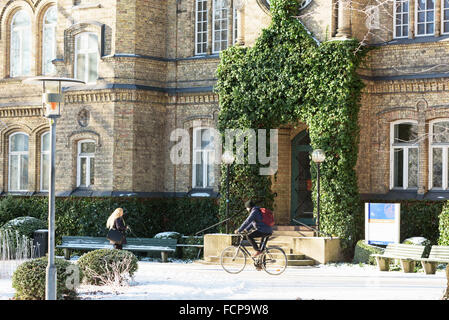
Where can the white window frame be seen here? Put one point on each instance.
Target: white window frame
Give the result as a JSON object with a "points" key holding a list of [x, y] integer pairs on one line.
{"points": [[48, 27], [405, 147], [205, 157], [86, 53], [425, 11], [205, 24], [225, 18], [402, 22], [235, 25], [22, 31], [20, 154], [44, 152], [442, 17], [445, 155], [88, 157]]}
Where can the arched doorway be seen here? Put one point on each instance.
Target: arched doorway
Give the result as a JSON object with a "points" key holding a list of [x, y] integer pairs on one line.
{"points": [[301, 197]]}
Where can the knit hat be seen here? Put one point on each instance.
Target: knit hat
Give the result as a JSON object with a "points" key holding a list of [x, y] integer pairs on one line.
{"points": [[249, 204]]}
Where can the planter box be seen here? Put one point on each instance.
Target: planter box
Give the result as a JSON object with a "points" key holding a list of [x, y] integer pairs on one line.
{"points": [[321, 249], [214, 244]]}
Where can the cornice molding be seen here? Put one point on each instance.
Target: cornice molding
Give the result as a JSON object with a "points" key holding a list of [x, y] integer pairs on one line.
{"points": [[406, 86], [21, 112]]}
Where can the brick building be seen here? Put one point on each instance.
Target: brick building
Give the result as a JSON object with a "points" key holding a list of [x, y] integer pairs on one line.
{"points": [[150, 68]]}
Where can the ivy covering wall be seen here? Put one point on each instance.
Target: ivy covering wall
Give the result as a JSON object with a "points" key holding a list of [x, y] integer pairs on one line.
{"points": [[286, 78]]}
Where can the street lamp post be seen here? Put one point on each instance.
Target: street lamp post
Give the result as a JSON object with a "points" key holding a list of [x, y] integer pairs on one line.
{"points": [[318, 156], [51, 109], [228, 159]]}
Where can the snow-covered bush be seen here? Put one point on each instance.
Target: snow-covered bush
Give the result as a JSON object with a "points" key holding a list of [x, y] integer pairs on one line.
{"points": [[168, 235], [363, 251], [24, 225], [29, 279], [107, 266]]}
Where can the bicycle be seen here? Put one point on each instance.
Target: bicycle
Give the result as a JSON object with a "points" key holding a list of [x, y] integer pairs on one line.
{"points": [[273, 259]]}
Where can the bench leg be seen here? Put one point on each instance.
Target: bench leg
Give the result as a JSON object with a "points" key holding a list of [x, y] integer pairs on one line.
{"points": [[67, 254], [408, 266], [164, 256], [429, 267], [383, 263]]}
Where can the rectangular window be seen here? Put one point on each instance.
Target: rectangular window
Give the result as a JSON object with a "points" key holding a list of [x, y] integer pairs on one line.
{"points": [[18, 162], [437, 167], [404, 156], [203, 153], [235, 26], [201, 27], [401, 16], [439, 162], [220, 25], [86, 164], [425, 17], [445, 16], [45, 161], [86, 57]]}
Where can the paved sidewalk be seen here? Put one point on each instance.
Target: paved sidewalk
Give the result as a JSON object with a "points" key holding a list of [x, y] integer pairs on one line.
{"points": [[193, 281]]}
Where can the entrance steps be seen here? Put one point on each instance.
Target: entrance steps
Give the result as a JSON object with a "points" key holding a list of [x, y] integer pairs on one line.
{"points": [[282, 237]]}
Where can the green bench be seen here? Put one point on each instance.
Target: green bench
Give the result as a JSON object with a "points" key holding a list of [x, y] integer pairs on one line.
{"points": [[408, 254], [133, 244], [438, 254]]}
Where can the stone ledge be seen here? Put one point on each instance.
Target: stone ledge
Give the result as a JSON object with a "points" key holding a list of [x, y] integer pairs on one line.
{"points": [[321, 249]]}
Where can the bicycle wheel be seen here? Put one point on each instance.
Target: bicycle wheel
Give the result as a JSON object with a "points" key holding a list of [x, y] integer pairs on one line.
{"points": [[274, 260], [233, 259]]}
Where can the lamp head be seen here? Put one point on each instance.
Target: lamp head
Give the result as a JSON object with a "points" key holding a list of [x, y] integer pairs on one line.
{"points": [[318, 156], [227, 157]]}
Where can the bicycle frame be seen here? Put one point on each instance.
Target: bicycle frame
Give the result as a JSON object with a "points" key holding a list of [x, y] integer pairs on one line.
{"points": [[245, 236]]}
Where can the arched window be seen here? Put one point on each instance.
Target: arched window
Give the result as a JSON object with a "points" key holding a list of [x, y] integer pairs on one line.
{"points": [[86, 57], [49, 40], [86, 163], [18, 162], [20, 44], [45, 161], [438, 154], [404, 155]]}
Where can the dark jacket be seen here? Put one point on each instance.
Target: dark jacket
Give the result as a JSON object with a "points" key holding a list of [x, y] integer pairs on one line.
{"points": [[254, 221], [119, 224]]}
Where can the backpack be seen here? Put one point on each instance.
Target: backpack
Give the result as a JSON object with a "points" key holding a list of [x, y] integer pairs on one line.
{"points": [[267, 217]]}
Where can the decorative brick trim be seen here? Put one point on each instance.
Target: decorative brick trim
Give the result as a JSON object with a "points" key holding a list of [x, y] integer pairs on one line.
{"points": [[21, 112]]}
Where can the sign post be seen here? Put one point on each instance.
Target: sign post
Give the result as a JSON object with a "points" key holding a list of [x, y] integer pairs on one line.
{"points": [[382, 223]]}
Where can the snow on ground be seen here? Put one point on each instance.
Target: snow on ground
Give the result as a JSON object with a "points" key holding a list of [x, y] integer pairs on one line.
{"points": [[194, 281]]}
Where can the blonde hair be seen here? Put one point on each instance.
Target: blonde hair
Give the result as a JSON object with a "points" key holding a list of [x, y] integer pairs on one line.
{"points": [[116, 214]]}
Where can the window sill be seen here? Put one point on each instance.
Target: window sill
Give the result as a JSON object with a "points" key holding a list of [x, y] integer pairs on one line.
{"points": [[201, 193], [417, 39], [86, 6]]}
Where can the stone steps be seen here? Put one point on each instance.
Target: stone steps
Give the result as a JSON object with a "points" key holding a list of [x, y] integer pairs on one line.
{"points": [[282, 237]]}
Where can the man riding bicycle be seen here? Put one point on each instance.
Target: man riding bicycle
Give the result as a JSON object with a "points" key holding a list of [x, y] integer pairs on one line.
{"points": [[254, 221]]}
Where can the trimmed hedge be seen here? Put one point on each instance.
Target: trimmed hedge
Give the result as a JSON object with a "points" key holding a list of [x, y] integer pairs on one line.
{"points": [[76, 216], [103, 265], [24, 225], [29, 279], [444, 226]]}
